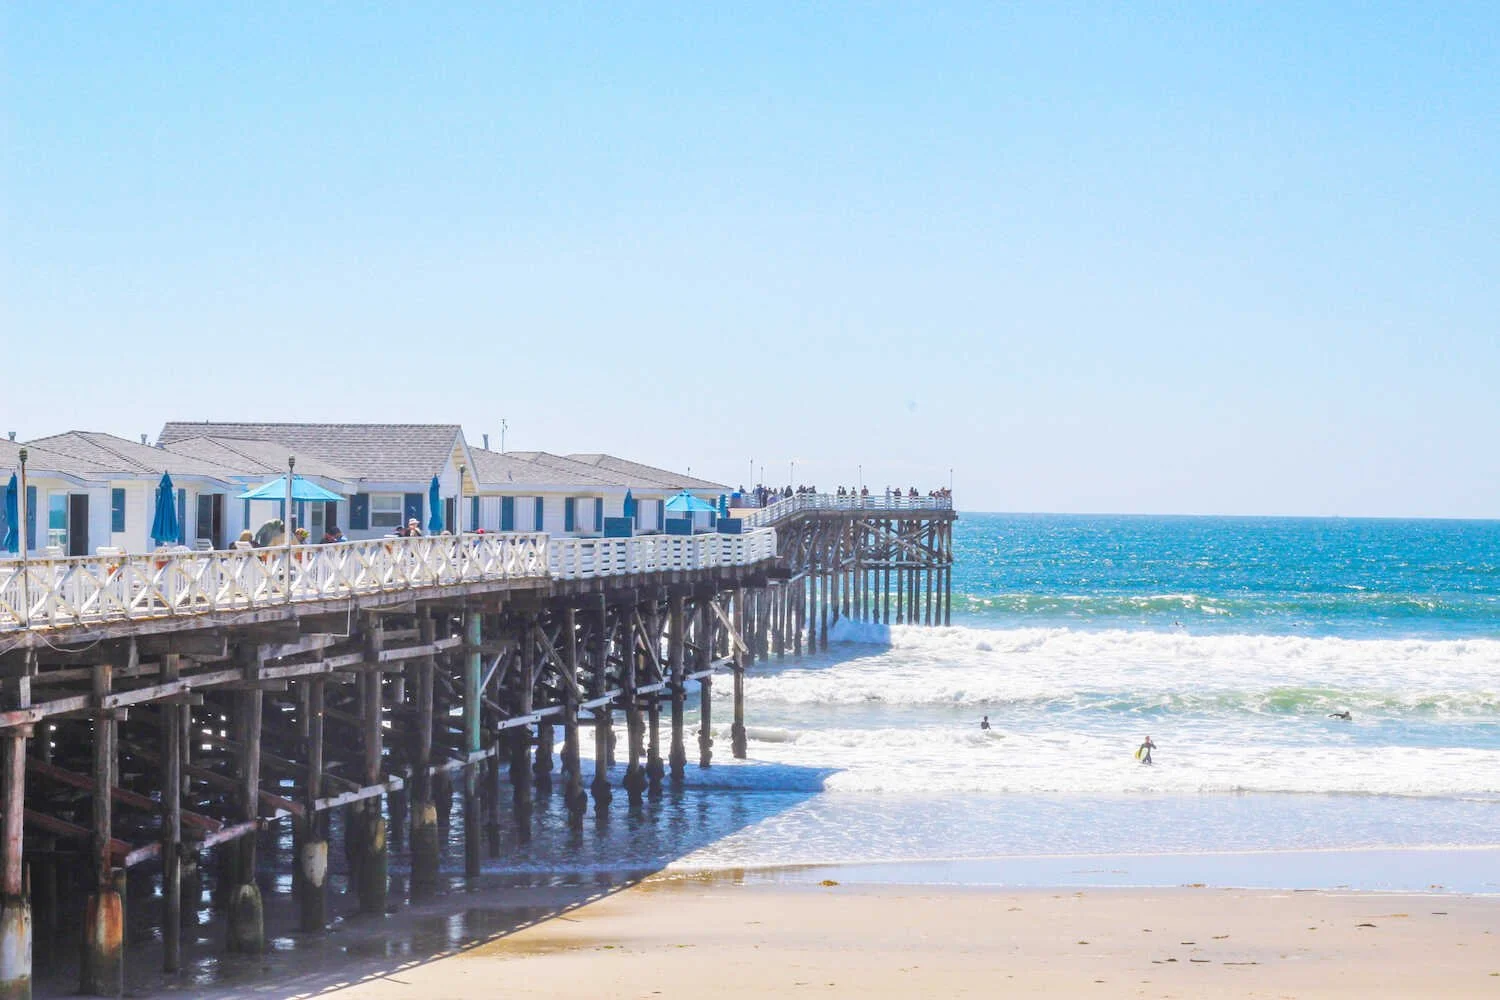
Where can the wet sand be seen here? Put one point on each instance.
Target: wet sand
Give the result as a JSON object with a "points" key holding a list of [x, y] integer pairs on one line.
{"points": [[716, 937]]}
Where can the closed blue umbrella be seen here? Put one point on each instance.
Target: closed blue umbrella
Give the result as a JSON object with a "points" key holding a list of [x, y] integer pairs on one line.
{"points": [[12, 516], [435, 501], [629, 508], [164, 528], [723, 505]]}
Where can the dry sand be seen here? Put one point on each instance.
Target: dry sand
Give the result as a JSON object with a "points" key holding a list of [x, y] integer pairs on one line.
{"points": [[716, 938]]}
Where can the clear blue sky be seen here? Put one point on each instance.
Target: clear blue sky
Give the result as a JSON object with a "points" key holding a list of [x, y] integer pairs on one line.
{"points": [[1213, 258]]}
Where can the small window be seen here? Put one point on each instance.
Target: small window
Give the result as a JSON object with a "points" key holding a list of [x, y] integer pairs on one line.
{"points": [[385, 510], [116, 510]]}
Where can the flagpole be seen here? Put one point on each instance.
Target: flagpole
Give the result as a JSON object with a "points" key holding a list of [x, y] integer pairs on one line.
{"points": [[21, 534]]}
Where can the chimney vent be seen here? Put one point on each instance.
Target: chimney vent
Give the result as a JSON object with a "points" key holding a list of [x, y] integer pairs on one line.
{"points": [[485, 436], [12, 435], [143, 439]]}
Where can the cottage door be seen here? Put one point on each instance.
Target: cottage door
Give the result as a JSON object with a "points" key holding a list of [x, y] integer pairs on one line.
{"points": [[78, 524]]}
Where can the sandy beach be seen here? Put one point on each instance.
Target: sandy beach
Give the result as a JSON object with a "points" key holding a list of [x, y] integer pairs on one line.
{"points": [[718, 937]]}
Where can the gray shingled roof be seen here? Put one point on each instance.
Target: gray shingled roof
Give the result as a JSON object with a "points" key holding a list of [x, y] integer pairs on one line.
{"points": [[257, 458], [645, 474], [376, 452], [500, 469], [41, 460], [119, 456]]}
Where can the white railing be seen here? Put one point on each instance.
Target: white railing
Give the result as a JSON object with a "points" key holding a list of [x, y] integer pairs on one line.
{"points": [[91, 590], [786, 507]]}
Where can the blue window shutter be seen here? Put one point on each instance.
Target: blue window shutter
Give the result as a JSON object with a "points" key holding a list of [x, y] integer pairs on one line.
{"points": [[247, 515], [598, 515], [411, 507], [116, 510], [359, 512], [473, 513], [570, 506], [537, 524], [31, 517], [507, 513], [181, 515]]}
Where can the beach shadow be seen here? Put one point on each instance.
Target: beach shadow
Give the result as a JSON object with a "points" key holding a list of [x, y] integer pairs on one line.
{"points": [[534, 879]]}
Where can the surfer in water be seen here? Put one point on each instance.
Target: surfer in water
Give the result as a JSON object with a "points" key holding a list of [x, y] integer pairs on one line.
{"points": [[1143, 754], [1341, 715], [984, 723]]}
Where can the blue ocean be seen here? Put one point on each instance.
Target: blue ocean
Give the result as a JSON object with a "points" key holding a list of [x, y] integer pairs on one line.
{"points": [[1231, 642]]}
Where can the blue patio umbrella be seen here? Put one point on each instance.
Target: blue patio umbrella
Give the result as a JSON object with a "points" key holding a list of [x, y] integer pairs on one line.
{"points": [[164, 528], [686, 503], [435, 501], [301, 490], [12, 515], [629, 508]]}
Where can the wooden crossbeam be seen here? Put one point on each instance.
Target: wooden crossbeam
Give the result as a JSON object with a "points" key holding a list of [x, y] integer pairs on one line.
{"points": [[124, 796]]}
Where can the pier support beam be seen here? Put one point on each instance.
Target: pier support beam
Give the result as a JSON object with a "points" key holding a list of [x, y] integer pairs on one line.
{"points": [[738, 739], [15, 907], [632, 654], [426, 842], [603, 738], [171, 822], [676, 645], [102, 966], [706, 682], [473, 664], [312, 850], [574, 796], [246, 917], [371, 869]]}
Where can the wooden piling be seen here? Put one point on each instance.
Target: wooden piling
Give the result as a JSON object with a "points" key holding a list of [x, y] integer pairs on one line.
{"points": [[603, 738], [15, 906], [102, 966], [312, 852], [676, 650], [171, 822], [573, 795], [738, 739], [473, 700], [705, 644], [520, 736]]}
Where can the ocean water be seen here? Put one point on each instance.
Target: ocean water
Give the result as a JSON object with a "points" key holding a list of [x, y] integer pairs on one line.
{"points": [[1228, 640]]}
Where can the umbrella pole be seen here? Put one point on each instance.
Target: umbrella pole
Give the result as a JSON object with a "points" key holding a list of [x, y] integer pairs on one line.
{"points": [[21, 534]]}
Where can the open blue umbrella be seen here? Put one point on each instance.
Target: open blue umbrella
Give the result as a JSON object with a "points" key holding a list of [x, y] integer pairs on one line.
{"points": [[435, 501], [301, 490], [629, 508], [12, 515], [685, 502], [164, 528]]}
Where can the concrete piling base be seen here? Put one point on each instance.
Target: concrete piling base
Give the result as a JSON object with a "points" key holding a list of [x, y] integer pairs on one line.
{"points": [[246, 923], [372, 868], [15, 949], [426, 845], [102, 969], [312, 870]]}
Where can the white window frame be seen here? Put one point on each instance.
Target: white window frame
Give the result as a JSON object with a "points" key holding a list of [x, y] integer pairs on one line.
{"points": [[386, 510]]}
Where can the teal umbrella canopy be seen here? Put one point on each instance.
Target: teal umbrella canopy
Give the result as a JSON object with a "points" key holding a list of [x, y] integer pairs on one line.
{"points": [[12, 515], [435, 502], [685, 502], [164, 527], [301, 490]]}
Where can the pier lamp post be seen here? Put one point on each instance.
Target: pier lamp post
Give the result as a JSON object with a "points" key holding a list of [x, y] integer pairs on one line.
{"points": [[791, 476], [22, 544], [286, 526]]}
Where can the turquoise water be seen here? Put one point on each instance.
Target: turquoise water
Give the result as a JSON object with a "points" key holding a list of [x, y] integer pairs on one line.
{"points": [[1229, 641]]}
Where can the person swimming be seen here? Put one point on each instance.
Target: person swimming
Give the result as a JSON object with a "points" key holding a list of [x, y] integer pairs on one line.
{"points": [[1341, 715], [984, 723], [1143, 753]]}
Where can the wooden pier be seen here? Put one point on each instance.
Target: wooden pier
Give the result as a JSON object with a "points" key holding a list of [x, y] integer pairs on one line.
{"points": [[160, 710]]}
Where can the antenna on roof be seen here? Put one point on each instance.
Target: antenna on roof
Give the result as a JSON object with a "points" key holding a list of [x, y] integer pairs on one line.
{"points": [[503, 425], [12, 435], [143, 439]]}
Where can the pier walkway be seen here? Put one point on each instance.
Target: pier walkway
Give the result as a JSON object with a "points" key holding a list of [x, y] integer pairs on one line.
{"points": [[396, 682]]}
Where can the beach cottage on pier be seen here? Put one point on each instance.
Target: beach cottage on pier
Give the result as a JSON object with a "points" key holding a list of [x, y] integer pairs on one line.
{"points": [[50, 474], [112, 500], [386, 469]]}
